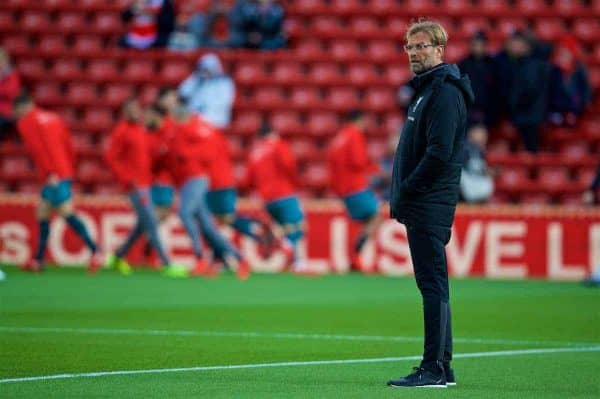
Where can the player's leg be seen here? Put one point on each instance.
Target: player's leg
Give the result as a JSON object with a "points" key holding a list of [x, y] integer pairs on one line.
{"points": [[222, 248], [190, 200], [140, 199], [222, 204], [288, 214], [363, 208], [43, 212]]}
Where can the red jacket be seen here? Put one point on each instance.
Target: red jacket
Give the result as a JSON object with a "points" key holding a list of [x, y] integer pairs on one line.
{"points": [[158, 149], [189, 150], [220, 166], [349, 163], [10, 86], [49, 143], [271, 169], [128, 155]]}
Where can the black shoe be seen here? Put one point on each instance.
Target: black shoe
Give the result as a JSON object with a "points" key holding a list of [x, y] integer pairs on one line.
{"points": [[421, 378], [450, 379]]}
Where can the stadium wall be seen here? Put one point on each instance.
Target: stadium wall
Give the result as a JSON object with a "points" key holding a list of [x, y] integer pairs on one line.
{"points": [[555, 243]]}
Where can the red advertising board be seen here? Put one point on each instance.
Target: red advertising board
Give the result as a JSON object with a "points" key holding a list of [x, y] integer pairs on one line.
{"points": [[489, 241]]}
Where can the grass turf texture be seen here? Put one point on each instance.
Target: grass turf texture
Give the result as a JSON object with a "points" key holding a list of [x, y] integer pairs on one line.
{"points": [[550, 315]]}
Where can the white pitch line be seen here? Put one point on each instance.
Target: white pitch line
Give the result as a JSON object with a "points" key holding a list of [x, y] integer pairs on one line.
{"points": [[295, 364], [300, 336]]}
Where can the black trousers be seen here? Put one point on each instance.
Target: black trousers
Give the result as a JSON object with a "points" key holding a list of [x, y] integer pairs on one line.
{"points": [[431, 272]]}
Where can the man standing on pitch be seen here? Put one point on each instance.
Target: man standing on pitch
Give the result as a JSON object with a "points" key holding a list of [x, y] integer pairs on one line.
{"points": [[425, 186]]}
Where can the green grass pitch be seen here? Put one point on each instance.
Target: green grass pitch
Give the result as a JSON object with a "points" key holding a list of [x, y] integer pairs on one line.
{"points": [[515, 339]]}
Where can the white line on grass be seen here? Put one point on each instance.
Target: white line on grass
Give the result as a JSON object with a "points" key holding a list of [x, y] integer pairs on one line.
{"points": [[294, 364], [236, 334]]}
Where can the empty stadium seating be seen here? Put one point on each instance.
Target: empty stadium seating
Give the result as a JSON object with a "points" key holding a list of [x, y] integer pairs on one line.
{"points": [[344, 54]]}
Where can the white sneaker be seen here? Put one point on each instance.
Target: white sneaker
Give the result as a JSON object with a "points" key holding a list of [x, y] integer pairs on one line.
{"points": [[2, 276]]}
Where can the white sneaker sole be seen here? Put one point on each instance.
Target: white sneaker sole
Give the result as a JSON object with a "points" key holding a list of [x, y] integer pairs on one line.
{"points": [[451, 384], [419, 386]]}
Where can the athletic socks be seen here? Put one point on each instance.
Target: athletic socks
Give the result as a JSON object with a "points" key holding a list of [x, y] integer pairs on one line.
{"points": [[44, 232], [360, 242], [77, 225]]}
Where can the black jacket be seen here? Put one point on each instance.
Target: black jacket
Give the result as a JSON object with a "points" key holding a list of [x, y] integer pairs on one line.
{"points": [[428, 161]]}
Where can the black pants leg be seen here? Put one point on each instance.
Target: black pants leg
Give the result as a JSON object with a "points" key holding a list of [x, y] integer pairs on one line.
{"points": [[431, 273], [531, 137]]}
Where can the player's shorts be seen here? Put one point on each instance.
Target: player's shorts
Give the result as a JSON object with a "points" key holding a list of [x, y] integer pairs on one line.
{"points": [[162, 195], [286, 210], [362, 205], [221, 202], [58, 194]]}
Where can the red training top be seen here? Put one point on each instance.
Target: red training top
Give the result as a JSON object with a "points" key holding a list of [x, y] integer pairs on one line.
{"points": [[271, 169], [128, 155], [49, 143], [349, 163]]}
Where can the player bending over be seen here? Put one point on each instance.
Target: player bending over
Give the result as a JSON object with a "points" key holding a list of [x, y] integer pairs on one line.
{"points": [[271, 169]]}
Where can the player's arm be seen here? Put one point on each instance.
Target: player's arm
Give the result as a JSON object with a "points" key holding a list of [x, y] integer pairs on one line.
{"points": [[360, 160], [441, 125], [287, 162], [67, 142], [116, 149]]}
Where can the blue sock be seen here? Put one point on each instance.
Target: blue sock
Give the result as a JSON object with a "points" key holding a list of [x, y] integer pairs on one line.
{"points": [[43, 236], [244, 225], [294, 237], [77, 225]]}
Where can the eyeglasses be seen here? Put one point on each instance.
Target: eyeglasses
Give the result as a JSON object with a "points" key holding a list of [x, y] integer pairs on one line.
{"points": [[419, 47]]}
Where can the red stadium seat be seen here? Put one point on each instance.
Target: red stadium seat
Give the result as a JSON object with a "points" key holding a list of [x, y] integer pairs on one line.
{"points": [[16, 167], [514, 179], [103, 70], [384, 7], [71, 22], [346, 6], [397, 74], [34, 21], [343, 98], [362, 74], [494, 7], [568, 7], [325, 73], [345, 49], [553, 178], [310, 49], [107, 22], [139, 71], [392, 122], [250, 73], [396, 26], [458, 7], [586, 29], [316, 176], [88, 44], [531, 7], [29, 187], [456, 51], [380, 99], [322, 123], [148, 94], [306, 98], [535, 199], [294, 26], [288, 73], [82, 93], [98, 119], [174, 72], [382, 50], [52, 45], [90, 172], [269, 97], [304, 149], [308, 6], [67, 69], [507, 26], [31, 68], [549, 28], [585, 176], [16, 43], [7, 20], [365, 26], [326, 26], [68, 115], [247, 123], [419, 6], [468, 26], [47, 93], [287, 123], [116, 94]]}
